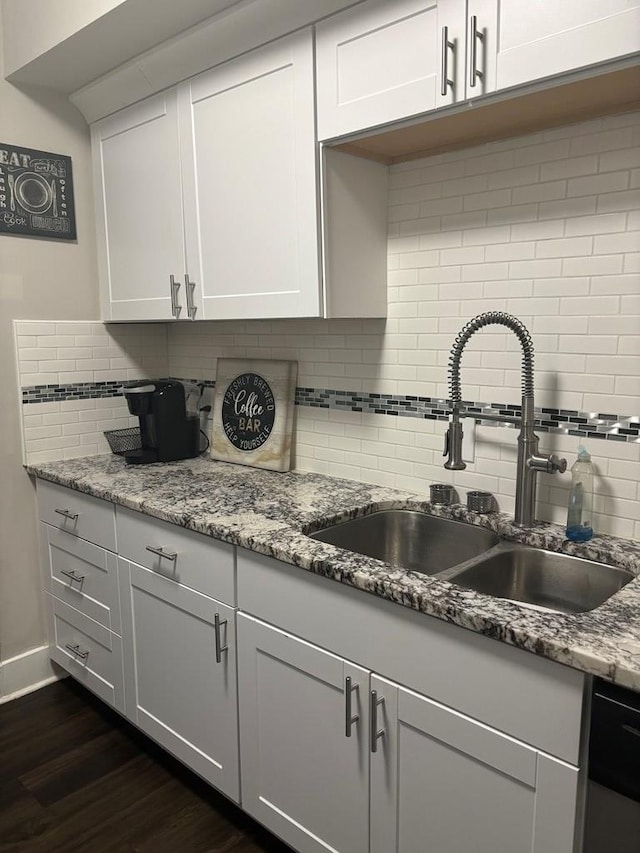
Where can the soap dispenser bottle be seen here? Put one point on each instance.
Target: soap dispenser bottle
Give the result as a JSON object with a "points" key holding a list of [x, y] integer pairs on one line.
{"points": [[579, 526]]}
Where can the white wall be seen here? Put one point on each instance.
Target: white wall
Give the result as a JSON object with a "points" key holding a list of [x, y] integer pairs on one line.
{"points": [[33, 27], [544, 227], [38, 279]]}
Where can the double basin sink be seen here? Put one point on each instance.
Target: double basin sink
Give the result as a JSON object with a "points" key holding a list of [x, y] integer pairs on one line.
{"points": [[476, 558]]}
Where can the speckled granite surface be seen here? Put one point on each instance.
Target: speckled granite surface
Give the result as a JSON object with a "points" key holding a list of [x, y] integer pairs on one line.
{"points": [[269, 513]]}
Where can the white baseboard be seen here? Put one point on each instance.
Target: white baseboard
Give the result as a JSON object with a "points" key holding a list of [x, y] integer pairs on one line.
{"points": [[26, 672]]}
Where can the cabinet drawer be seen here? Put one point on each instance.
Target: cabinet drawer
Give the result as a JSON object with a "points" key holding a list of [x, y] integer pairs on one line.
{"points": [[196, 561], [90, 518], [88, 651], [82, 575]]}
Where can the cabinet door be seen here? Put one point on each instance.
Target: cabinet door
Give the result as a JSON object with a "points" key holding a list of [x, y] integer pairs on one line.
{"points": [[545, 38], [377, 63], [250, 183], [441, 776], [302, 777], [177, 691], [136, 163]]}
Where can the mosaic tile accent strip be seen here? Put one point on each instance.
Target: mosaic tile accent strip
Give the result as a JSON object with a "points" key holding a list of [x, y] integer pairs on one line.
{"points": [[566, 421], [601, 425], [73, 391]]}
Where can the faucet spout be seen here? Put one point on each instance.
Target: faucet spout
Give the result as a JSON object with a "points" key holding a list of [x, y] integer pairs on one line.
{"points": [[529, 459]]}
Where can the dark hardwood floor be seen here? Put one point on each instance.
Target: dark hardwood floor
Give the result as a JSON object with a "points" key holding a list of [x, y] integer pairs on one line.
{"points": [[75, 776]]}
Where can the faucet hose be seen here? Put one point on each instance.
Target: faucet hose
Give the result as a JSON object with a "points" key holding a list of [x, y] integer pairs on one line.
{"points": [[491, 318]]}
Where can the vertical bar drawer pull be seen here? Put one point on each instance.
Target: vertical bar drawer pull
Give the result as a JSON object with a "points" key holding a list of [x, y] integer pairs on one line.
{"points": [[217, 625], [73, 576], [72, 516], [376, 733], [190, 286], [475, 35], [160, 552], [444, 70], [349, 717], [77, 651]]}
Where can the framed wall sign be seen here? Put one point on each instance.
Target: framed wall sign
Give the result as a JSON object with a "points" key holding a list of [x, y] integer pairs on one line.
{"points": [[253, 412], [36, 193]]}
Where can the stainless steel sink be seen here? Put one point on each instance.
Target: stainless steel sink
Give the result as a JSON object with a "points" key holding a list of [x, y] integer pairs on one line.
{"points": [[542, 578], [411, 540]]}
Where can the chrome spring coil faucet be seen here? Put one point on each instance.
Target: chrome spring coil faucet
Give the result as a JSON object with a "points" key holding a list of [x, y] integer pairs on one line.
{"points": [[529, 460]]}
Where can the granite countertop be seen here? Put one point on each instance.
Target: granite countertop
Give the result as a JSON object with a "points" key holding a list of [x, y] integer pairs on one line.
{"points": [[269, 513]]}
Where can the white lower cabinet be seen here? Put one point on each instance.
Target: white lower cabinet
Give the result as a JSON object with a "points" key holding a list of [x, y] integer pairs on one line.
{"points": [[180, 672], [335, 755], [302, 776], [88, 651], [368, 765], [441, 781]]}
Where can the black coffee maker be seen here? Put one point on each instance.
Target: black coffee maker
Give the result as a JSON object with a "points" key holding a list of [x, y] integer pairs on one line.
{"points": [[167, 429]]}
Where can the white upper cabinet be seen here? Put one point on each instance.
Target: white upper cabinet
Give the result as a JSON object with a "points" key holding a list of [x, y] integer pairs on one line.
{"points": [[377, 63], [210, 203], [383, 61], [380, 62], [251, 205], [545, 38], [137, 180]]}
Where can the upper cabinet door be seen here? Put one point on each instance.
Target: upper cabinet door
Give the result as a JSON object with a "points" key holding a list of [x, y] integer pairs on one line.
{"points": [[136, 161], [545, 38], [377, 63], [250, 183]]}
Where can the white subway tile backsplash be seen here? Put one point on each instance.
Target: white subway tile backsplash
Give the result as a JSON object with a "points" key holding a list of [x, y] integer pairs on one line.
{"points": [[626, 200], [591, 265], [569, 168], [618, 284], [545, 226], [488, 200], [565, 248], [604, 140]]}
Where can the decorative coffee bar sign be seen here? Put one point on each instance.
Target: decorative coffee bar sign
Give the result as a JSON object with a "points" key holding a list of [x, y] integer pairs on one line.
{"points": [[253, 412], [36, 193]]}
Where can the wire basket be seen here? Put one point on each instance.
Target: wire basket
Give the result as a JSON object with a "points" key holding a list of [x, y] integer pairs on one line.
{"points": [[122, 440]]}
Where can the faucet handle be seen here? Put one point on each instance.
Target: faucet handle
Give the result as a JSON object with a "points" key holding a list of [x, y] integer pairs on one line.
{"points": [[453, 446], [548, 464]]}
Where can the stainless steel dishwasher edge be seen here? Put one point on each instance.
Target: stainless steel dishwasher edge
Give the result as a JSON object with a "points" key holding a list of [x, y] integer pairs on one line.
{"points": [[612, 822]]}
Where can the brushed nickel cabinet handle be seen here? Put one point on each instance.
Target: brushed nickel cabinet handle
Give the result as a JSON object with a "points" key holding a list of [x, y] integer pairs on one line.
{"points": [[375, 732], [349, 717], [190, 286], [220, 648], [175, 287], [160, 552], [447, 45], [475, 35], [73, 576], [77, 651], [72, 516]]}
